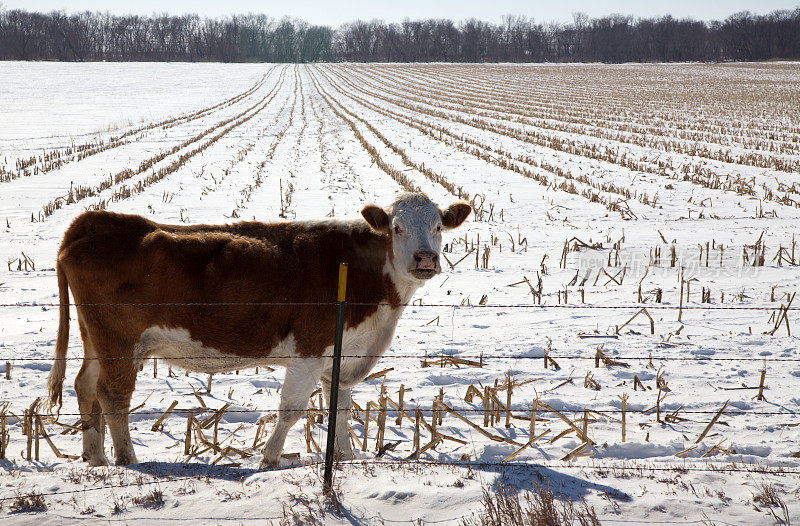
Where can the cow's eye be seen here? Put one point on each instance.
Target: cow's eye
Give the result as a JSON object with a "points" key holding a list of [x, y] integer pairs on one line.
{"points": [[397, 230], [439, 228]]}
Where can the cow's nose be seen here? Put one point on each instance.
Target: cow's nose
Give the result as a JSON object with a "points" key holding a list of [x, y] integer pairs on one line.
{"points": [[426, 259]]}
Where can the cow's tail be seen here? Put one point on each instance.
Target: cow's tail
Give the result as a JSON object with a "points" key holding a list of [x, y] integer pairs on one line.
{"points": [[55, 381]]}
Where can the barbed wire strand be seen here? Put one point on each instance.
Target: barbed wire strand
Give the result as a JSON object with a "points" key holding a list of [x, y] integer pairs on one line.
{"points": [[432, 363], [475, 410], [386, 304]]}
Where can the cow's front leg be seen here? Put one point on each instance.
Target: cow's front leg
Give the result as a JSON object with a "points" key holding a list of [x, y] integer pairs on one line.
{"points": [[302, 376], [343, 450]]}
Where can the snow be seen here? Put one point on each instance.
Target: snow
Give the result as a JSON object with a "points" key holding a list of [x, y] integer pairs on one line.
{"points": [[294, 140]]}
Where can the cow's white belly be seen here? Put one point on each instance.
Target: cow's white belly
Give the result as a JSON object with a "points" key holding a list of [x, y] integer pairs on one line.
{"points": [[362, 346], [176, 346]]}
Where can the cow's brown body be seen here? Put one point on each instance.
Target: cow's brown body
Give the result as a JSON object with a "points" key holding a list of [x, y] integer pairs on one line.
{"points": [[288, 270], [218, 297]]}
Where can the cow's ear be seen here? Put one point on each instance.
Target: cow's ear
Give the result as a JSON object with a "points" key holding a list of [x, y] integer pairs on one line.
{"points": [[376, 218], [455, 214]]}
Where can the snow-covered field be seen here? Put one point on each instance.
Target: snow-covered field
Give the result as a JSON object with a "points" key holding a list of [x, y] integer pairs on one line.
{"points": [[624, 164]]}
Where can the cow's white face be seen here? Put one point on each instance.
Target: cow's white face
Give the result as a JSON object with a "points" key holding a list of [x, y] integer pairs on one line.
{"points": [[415, 224]]}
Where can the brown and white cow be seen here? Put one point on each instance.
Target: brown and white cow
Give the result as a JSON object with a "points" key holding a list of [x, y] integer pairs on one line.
{"points": [[145, 290]]}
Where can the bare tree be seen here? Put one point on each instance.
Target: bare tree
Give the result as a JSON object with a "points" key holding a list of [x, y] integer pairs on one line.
{"points": [[26, 35]]}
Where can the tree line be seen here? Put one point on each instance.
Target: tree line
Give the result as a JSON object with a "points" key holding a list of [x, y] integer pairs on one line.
{"points": [[89, 36]]}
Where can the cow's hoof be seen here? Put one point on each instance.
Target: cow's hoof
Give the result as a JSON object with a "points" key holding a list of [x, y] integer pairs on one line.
{"points": [[269, 463], [126, 459], [95, 461]]}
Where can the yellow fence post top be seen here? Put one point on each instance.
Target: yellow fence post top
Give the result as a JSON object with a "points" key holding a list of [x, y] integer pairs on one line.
{"points": [[342, 281]]}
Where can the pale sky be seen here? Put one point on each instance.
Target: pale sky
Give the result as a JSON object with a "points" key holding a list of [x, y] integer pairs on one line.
{"points": [[333, 13]]}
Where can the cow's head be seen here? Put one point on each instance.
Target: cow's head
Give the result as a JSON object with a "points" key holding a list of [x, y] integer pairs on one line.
{"points": [[415, 224]]}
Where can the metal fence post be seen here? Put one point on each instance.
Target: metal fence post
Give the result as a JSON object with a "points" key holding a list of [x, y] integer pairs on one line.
{"points": [[334, 398]]}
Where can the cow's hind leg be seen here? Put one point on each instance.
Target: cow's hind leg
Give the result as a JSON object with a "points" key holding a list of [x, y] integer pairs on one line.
{"points": [[92, 423], [114, 389], [302, 375]]}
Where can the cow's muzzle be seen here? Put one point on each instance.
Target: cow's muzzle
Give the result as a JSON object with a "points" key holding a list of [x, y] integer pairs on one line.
{"points": [[426, 264]]}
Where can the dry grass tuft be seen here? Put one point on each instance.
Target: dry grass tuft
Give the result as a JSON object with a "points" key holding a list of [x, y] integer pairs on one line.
{"points": [[31, 502], [505, 507], [768, 496], [153, 499]]}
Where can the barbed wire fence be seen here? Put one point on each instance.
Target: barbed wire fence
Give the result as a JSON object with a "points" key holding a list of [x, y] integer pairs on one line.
{"points": [[384, 411]]}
